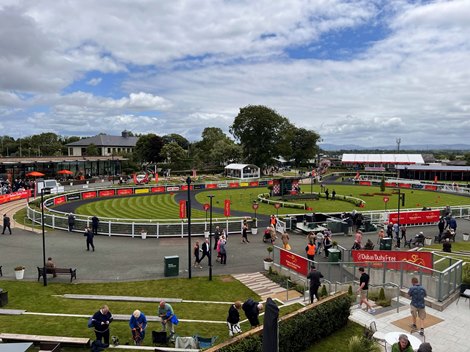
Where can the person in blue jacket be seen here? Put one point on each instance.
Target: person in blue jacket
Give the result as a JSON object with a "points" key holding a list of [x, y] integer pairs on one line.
{"points": [[101, 320], [138, 324]]}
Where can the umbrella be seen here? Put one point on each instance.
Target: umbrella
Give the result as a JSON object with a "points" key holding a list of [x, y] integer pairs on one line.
{"points": [[65, 172], [34, 174]]}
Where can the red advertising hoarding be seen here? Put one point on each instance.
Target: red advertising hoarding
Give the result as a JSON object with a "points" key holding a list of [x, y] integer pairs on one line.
{"points": [[254, 184], [88, 195], [182, 209], [415, 217], [59, 200], [158, 189], [5, 198], [376, 259], [294, 262], [185, 187], [431, 188], [125, 191], [365, 183], [106, 193], [211, 185], [233, 184]]}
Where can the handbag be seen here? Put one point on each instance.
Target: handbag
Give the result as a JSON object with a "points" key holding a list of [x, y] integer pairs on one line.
{"points": [[90, 322]]}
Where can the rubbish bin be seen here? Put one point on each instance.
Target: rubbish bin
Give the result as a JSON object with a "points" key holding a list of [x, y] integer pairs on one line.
{"points": [[334, 255], [385, 244], [288, 223], [172, 264], [3, 298]]}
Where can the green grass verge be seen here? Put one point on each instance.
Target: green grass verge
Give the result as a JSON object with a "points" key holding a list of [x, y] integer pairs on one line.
{"points": [[34, 297], [338, 342]]}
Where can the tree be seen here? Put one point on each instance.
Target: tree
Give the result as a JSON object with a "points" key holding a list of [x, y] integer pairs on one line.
{"points": [[224, 152], [92, 150], [148, 148], [215, 148], [303, 145], [174, 137], [259, 128], [174, 154]]}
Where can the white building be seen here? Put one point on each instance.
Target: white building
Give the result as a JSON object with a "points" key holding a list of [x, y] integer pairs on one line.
{"points": [[242, 171], [107, 145]]}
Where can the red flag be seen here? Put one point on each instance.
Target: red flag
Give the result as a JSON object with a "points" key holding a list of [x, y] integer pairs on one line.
{"points": [[227, 207], [182, 209], [156, 177], [357, 175], [135, 179]]}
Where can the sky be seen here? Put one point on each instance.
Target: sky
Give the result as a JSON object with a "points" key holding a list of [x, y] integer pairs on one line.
{"points": [[362, 72]]}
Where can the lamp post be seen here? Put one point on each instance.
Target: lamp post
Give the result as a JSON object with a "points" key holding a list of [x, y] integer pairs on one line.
{"points": [[398, 184], [43, 192], [188, 215], [210, 236], [113, 171]]}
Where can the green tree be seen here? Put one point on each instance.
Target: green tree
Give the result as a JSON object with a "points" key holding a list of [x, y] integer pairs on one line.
{"points": [[148, 148], [382, 184], [173, 153], [259, 130], [174, 137], [303, 145], [92, 150], [215, 148]]}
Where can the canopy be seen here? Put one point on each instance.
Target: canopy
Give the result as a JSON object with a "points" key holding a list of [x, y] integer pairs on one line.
{"points": [[65, 172], [34, 174]]}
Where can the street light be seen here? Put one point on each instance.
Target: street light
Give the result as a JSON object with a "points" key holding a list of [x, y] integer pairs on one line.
{"points": [[43, 192], [210, 236], [188, 215]]}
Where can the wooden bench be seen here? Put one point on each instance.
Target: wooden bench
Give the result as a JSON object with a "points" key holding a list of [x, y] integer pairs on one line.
{"points": [[38, 339], [58, 271]]}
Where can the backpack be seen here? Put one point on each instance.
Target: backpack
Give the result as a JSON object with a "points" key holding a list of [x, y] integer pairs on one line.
{"points": [[90, 322]]}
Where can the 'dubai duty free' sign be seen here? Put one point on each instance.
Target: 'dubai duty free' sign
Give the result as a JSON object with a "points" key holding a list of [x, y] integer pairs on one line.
{"points": [[294, 262], [397, 260]]}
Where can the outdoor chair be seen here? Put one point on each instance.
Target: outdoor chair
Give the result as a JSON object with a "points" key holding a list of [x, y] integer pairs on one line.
{"points": [[378, 336], [205, 342]]}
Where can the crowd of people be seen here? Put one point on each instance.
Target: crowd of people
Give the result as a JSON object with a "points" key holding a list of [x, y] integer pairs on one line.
{"points": [[17, 185]]}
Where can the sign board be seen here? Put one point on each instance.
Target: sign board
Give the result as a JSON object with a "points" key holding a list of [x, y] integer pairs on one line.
{"points": [[386, 199], [206, 206], [255, 206], [277, 205], [227, 207], [399, 260], [182, 209], [294, 262], [415, 217]]}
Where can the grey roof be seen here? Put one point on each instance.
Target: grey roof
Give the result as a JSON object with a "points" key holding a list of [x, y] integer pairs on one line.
{"points": [[433, 167], [383, 158], [104, 140]]}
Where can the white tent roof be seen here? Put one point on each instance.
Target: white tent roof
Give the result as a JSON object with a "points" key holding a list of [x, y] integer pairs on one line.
{"points": [[239, 166], [383, 158]]}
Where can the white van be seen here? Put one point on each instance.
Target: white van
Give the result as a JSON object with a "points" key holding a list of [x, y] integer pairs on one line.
{"points": [[55, 186]]}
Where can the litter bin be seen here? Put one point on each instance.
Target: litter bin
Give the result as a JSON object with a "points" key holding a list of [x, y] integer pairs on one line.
{"points": [[385, 244], [3, 298], [172, 264], [334, 255]]}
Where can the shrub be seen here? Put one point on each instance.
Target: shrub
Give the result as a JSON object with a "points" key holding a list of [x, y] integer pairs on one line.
{"points": [[360, 344], [382, 294], [323, 292], [466, 274]]}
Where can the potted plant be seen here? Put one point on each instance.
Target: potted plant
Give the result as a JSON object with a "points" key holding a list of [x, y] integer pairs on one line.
{"points": [[428, 241], [268, 261], [466, 236], [143, 233], [19, 272], [254, 226]]}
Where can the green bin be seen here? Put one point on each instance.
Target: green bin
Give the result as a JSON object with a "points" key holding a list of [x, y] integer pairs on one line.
{"points": [[385, 244], [172, 265], [334, 255]]}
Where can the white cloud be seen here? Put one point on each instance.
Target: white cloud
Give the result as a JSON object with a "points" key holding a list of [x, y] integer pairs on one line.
{"points": [[94, 81]]}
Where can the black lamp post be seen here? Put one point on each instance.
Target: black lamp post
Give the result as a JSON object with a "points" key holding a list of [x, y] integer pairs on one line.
{"points": [[188, 215], [210, 236], [43, 192]]}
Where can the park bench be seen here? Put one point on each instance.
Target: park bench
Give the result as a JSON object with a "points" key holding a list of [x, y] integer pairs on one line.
{"points": [[38, 339], [59, 271], [416, 242]]}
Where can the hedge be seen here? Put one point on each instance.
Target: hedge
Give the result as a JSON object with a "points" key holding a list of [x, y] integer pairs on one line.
{"points": [[298, 330]]}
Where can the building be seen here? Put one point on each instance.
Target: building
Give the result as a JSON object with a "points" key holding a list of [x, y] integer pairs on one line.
{"points": [[107, 145], [435, 172], [380, 162]]}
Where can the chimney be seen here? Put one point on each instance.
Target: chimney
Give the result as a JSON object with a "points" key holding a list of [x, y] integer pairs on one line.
{"points": [[125, 134]]}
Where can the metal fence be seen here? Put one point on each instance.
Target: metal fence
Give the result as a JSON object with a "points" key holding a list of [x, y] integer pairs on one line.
{"points": [[438, 284]]}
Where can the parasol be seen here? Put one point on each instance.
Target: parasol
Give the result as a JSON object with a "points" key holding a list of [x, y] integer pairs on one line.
{"points": [[65, 172], [34, 174]]}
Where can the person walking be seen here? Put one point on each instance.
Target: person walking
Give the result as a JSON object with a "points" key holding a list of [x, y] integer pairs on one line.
{"points": [[217, 235], [101, 321], [89, 239], [223, 250], [285, 241], [314, 276], [363, 290], [310, 250], [403, 233], [233, 319], [168, 318], [196, 250], [327, 243], [138, 324], [417, 305], [206, 251], [245, 234], [94, 224], [6, 223], [320, 237]]}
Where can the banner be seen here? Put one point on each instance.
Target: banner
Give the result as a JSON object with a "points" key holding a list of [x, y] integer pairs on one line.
{"points": [[182, 209], [293, 261], [73, 196], [365, 183], [124, 191], [59, 200], [5, 198], [106, 193], [233, 184], [396, 259], [158, 189], [88, 195], [227, 207], [415, 217]]}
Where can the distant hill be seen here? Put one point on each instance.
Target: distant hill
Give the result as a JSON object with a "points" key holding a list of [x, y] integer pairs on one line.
{"points": [[393, 148]]}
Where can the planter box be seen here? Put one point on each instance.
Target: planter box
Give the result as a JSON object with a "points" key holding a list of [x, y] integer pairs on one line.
{"points": [[254, 230], [267, 265], [144, 235], [428, 241], [19, 274], [466, 236]]}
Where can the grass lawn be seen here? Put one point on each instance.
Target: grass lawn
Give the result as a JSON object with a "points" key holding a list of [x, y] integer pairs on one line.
{"points": [[338, 342], [34, 297], [163, 206]]}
